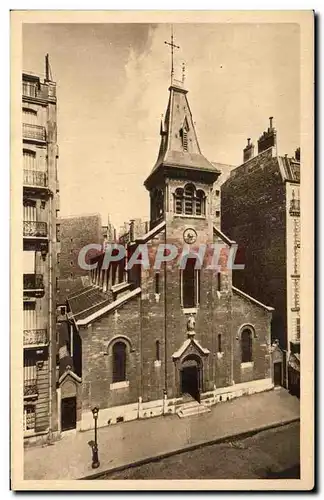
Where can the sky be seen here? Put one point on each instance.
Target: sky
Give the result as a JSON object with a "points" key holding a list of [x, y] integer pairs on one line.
{"points": [[112, 88]]}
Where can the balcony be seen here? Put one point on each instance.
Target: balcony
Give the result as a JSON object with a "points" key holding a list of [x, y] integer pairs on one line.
{"points": [[35, 338], [294, 207], [35, 229], [35, 178], [34, 132], [30, 388], [34, 284]]}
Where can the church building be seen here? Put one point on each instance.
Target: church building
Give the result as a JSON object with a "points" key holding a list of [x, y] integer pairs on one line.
{"points": [[145, 342]]}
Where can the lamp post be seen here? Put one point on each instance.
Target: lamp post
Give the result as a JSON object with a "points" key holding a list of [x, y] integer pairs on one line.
{"points": [[95, 458]]}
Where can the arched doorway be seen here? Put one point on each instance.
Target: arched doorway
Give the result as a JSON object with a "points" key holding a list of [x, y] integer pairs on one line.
{"points": [[191, 376]]}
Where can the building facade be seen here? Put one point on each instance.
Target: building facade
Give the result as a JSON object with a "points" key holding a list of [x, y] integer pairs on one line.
{"points": [[150, 341], [75, 233], [261, 211], [40, 249]]}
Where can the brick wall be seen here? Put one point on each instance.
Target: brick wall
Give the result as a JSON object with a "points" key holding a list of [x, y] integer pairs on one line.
{"points": [[253, 214]]}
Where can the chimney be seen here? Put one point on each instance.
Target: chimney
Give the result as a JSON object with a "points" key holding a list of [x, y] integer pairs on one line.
{"points": [[268, 139], [297, 154], [248, 151]]}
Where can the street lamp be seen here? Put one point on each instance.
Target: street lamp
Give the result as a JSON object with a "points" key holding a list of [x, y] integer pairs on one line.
{"points": [[95, 458]]}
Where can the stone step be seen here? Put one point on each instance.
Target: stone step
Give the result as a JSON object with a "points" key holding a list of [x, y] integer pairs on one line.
{"points": [[193, 409]]}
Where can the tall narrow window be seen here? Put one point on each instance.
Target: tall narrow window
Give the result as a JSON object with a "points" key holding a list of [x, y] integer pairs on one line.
{"points": [[178, 201], [190, 284], [219, 281], [189, 193], [29, 160], [157, 282], [246, 346], [157, 350], [119, 362], [200, 203], [219, 343]]}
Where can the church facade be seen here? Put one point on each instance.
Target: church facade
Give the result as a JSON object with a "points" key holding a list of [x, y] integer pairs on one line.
{"points": [[147, 341]]}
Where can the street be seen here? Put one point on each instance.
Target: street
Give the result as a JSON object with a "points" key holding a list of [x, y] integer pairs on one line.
{"points": [[271, 454]]}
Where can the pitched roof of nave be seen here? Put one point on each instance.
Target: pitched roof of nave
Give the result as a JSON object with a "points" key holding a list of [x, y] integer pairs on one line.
{"points": [[179, 147]]}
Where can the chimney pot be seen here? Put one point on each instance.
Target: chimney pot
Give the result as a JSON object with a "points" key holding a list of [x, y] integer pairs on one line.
{"points": [[249, 141], [271, 118]]}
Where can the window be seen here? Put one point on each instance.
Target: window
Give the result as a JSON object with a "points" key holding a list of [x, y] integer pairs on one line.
{"points": [[189, 192], [29, 116], [119, 362], [184, 135], [157, 350], [29, 159], [157, 282], [217, 213], [63, 310], [219, 281], [29, 89], [219, 349], [190, 284], [29, 417], [189, 201], [178, 197], [246, 345], [58, 233], [58, 258], [217, 192]]}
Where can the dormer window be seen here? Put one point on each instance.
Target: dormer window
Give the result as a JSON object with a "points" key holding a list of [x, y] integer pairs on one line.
{"points": [[184, 135], [189, 201]]}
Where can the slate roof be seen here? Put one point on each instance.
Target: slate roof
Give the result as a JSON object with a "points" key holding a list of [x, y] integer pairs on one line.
{"points": [[291, 168], [87, 301], [170, 153]]}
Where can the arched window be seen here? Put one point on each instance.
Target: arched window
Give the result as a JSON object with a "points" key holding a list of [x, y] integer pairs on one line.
{"points": [[190, 284], [184, 135], [119, 362], [189, 198], [189, 201], [246, 345], [200, 202], [178, 201]]}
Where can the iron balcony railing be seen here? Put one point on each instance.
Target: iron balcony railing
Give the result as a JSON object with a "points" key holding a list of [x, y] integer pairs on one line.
{"points": [[30, 387], [35, 178], [31, 131], [35, 228], [35, 337], [33, 282]]}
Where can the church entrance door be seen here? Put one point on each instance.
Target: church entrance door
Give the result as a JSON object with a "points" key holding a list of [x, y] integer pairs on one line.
{"points": [[190, 377]]}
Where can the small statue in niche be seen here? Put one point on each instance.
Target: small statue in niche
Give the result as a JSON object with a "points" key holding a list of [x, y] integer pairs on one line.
{"points": [[191, 325]]}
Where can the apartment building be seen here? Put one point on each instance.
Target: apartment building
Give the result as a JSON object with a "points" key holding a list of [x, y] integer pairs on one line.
{"points": [[40, 250], [261, 212]]}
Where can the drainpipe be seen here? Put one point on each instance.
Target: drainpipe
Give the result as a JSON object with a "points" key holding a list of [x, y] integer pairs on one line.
{"points": [[50, 314], [165, 324]]}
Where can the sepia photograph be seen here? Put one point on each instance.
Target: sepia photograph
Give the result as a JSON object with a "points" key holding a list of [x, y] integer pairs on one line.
{"points": [[162, 179]]}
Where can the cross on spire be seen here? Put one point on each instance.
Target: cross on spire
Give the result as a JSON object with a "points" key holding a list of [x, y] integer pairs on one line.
{"points": [[173, 46]]}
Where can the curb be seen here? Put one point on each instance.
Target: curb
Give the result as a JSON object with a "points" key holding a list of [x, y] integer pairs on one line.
{"points": [[201, 444]]}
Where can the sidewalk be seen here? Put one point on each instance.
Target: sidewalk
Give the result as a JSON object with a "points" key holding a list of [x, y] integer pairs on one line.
{"points": [[121, 444]]}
